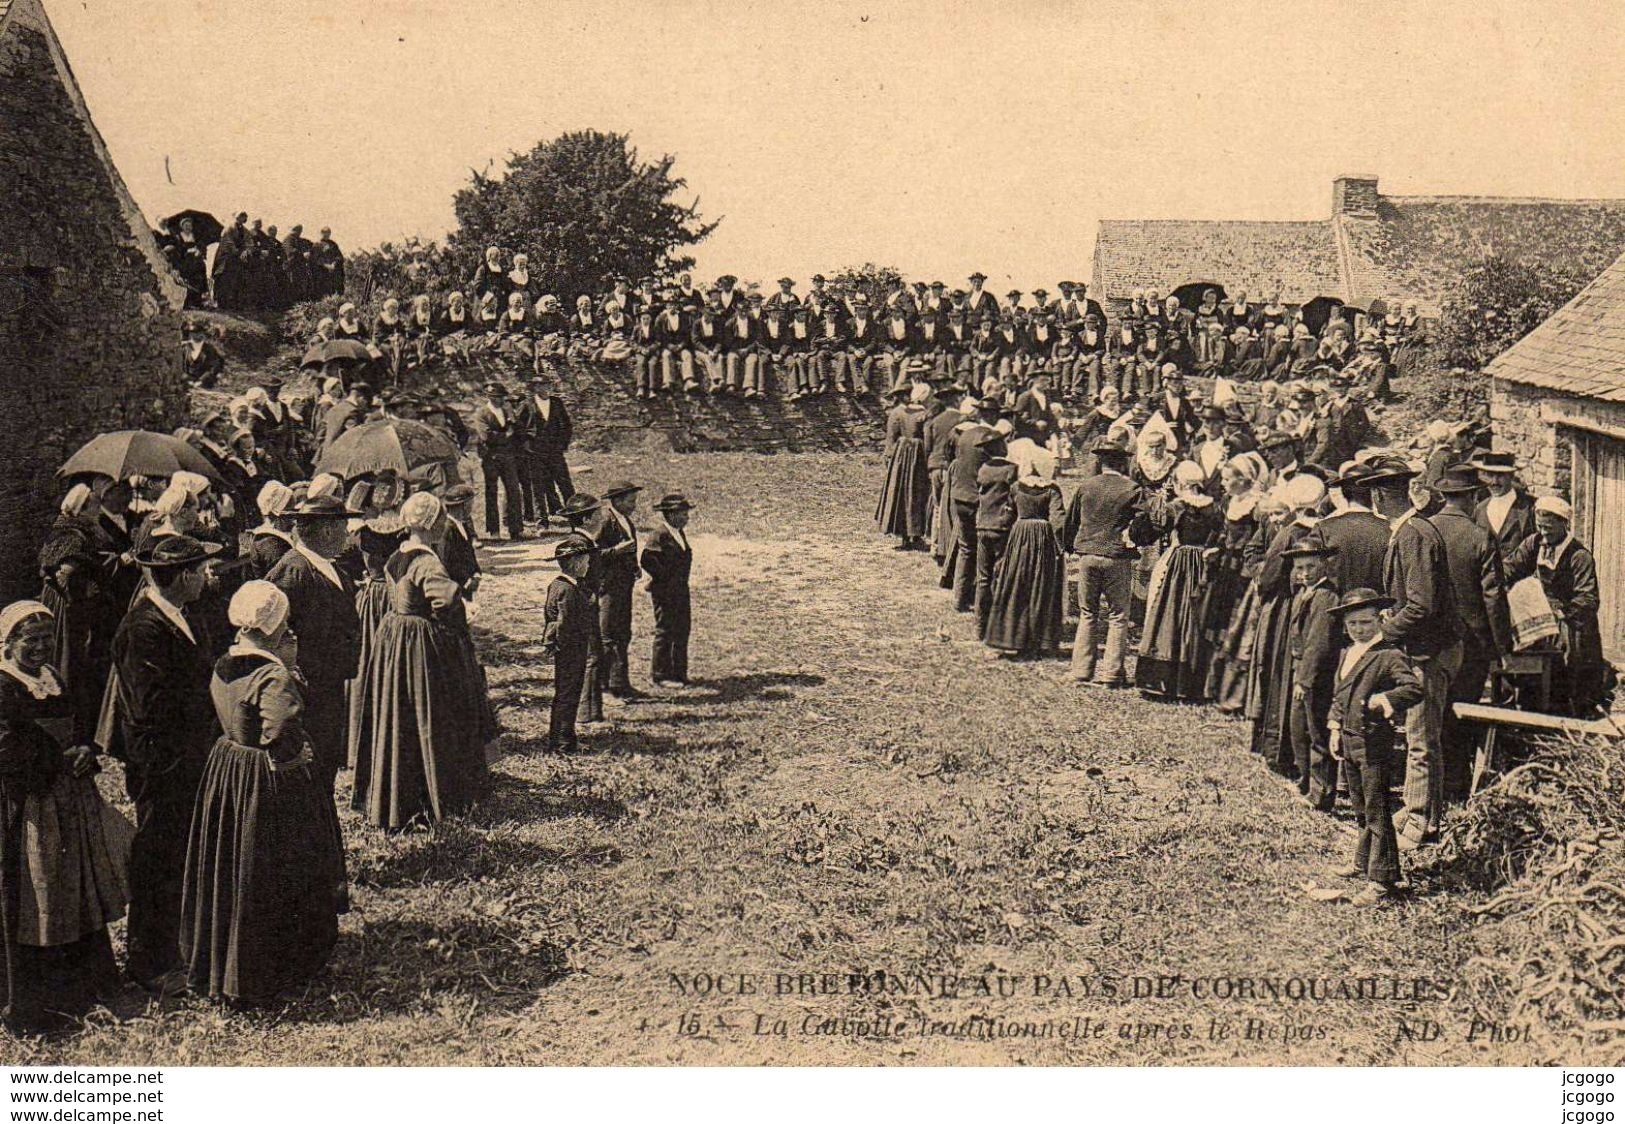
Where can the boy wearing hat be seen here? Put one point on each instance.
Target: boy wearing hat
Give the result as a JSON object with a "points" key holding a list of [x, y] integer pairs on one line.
{"points": [[568, 622], [668, 560], [322, 613], [165, 727], [580, 513], [461, 560], [1313, 643], [1373, 684]]}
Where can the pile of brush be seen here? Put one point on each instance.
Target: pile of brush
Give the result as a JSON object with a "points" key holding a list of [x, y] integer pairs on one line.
{"points": [[1546, 843]]}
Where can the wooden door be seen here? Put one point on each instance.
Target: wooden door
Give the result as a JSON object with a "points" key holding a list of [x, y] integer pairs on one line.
{"points": [[1599, 522]]}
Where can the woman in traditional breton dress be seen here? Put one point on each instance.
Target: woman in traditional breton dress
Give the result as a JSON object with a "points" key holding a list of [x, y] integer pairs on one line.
{"points": [[905, 501], [1269, 672], [62, 849], [1174, 653], [379, 538], [77, 562], [1229, 615], [1153, 471], [422, 755], [1029, 585], [264, 878]]}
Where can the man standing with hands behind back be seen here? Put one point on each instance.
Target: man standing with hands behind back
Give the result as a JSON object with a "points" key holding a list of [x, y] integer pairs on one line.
{"points": [[545, 423], [617, 540], [668, 560]]}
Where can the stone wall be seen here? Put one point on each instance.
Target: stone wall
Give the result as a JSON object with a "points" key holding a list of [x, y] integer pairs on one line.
{"points": [[87, 337], [1538, 425]]}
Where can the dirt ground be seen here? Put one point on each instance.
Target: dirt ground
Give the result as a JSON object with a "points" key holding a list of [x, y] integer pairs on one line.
{"points": [[858, 841]]}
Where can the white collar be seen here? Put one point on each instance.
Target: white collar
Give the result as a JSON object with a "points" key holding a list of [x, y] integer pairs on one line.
{"points": [[323, 566], [42, 686], [1356, 653], [1400, 522], [678, 532], [238, 648], [565, 578], [169, 609], [496, 412], [1550, 556]]}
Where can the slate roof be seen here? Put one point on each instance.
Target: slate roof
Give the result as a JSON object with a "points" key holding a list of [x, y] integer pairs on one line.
{"points": [[1410, 248], [1580, 350]]}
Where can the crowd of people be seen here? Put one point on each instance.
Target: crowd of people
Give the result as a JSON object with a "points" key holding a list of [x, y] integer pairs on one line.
{"points": [[1275, 559], [236, 669], [249, 267], [675, 337]]}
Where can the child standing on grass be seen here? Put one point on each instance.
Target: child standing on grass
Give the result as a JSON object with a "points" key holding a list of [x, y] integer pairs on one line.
{"points": [[568, 621], [1375, 683], [668, 559], [1313, 645]]}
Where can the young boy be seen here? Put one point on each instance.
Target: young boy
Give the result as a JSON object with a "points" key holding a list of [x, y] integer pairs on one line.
{"points": [[667, 559], [1373, 685], [567, 635], [582, 512], [1314, 643]]}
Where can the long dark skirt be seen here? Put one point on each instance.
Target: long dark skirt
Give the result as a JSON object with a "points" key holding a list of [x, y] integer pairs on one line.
{"points": [[905, 501], [83, 642], [945, 536], [371, 603], [1220, 597], [1269, 686], [264, 878], [1029, 592], [1174, 650], [1233, 659], [424, 756]]}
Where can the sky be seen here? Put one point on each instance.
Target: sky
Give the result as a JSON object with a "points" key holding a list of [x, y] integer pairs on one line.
{"points": [[936, 138]]}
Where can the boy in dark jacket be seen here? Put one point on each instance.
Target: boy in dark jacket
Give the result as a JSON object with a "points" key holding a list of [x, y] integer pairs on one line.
{"points": [[567, 636], [667, 559], [1314, 642], [1374, 684]]}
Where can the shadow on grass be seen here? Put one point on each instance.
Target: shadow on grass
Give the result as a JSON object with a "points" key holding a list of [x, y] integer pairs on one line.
{"points": [[466, 857], [768, 685], [515, 800], [452, 965]]}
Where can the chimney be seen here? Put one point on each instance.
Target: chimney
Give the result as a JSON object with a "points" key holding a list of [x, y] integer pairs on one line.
{"points": [[1355, 196]]}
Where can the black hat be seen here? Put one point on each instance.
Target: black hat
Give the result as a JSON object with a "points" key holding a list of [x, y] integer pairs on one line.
{"points": [[621, 488], [787, 281], [1276, 440], [172, 551], [1014, 293], [272, 383], [572, 545], [1309, 550], [936, 284], [1108, 446], [1459, 480], [323, 507], [818, 277], [1389, 472], [992, 437], [360, 387], [579, 506], [977, 276], [1213, 413], [674, 501], [950, 390], [992, 405], [1361, 599], [1494, 462]]}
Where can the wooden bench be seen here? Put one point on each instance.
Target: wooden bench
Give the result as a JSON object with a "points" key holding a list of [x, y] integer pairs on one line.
{"points": [[1494, 719]]}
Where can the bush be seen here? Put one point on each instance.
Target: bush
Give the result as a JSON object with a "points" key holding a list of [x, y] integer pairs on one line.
{"points": [[1495, 304]]}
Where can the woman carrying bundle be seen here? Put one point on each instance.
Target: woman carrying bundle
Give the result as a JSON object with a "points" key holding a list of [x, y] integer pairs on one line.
{"points": [[1029, 586], [905, 500], [265, 861]]}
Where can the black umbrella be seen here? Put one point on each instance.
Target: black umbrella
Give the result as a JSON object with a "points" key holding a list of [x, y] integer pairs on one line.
{"points": [[1318, 311], [205, 227], [137, 452], [1190, 294], [336, 351]]}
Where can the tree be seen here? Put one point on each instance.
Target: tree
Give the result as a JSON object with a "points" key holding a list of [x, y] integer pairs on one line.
{"points": [[1495, 304], [873, 281], [584, 207]]}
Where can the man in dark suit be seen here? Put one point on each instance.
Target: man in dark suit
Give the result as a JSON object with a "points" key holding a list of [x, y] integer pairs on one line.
{"points": [[165, 729], [567, 627], [1507, 512], [1313, 643], [1374, 683], [862, 342], [1097, 529], [668, 559], [676, 350], [1174, 408], [617, 542], [322, 612], [938, 441], [544, 425], [347, 413], [1034, 404], [896, 343], [327, 266], [1358, 534], [1423, 624], [1479, 586], [497, 437], [979, 302], [965, 457]]}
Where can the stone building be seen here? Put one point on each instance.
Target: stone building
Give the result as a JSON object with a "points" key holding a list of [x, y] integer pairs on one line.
{"points": [[1557, 398], [89, 311], [1373, 246]]}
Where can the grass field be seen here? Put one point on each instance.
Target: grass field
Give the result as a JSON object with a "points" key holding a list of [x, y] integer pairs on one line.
{"points": [[854, 789]]}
